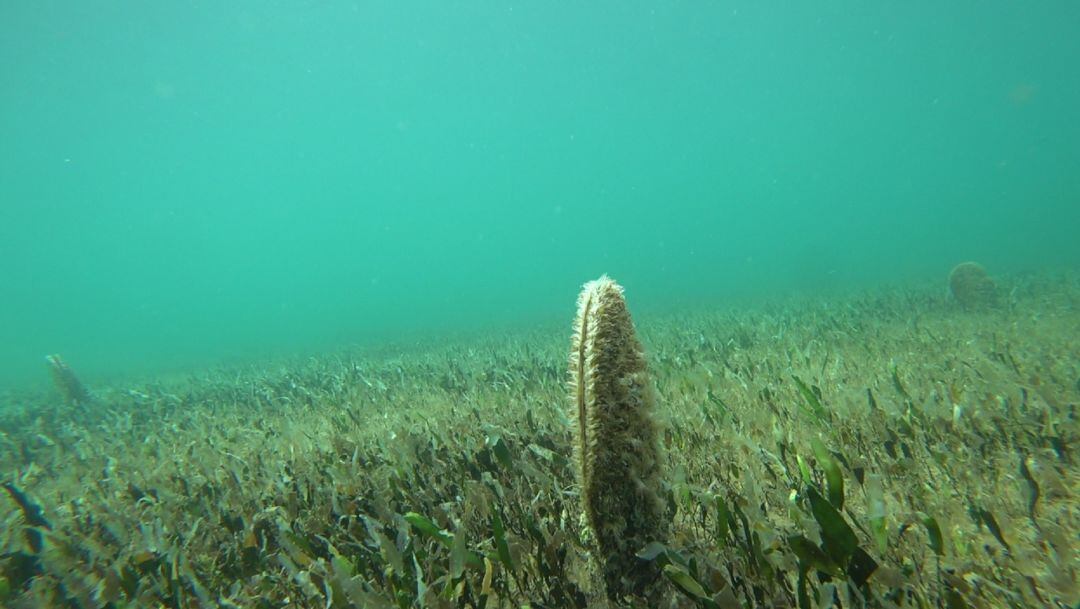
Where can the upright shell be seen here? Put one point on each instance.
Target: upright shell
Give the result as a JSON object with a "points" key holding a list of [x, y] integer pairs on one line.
{"points": [[972, 287], [74, 392], [618, 462]]}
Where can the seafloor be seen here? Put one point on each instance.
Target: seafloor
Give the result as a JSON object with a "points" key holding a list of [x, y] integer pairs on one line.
{"points": [[878, 449]]}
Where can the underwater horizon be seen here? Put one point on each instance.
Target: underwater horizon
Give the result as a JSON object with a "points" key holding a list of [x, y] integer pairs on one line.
{"points": [[479, 305], [183, 184]]}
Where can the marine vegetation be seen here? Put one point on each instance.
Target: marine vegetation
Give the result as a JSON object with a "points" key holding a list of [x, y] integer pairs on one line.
{"points": [[870, 449]]}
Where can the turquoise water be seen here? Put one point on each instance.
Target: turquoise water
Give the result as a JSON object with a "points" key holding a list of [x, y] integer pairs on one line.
{"points": [[187, 183]]}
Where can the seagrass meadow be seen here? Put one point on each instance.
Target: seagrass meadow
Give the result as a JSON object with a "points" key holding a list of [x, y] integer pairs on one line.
{"points": [[883, 448]]}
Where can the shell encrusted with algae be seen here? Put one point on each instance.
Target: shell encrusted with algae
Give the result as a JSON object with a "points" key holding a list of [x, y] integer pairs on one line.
{"points": [[618, 462], [971, 286]]}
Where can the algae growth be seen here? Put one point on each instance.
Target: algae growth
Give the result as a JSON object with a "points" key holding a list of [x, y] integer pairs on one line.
{"points": [[879, 449]]}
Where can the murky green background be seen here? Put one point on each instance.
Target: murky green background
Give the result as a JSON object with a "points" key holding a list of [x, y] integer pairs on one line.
{"points": [[184, 183]]}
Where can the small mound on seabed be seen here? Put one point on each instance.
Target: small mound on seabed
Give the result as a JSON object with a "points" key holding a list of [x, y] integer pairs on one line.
{"points": [[971, 286]]}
